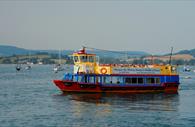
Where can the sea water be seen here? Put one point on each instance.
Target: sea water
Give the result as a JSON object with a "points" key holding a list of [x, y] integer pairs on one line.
{"points": [[29, 98]]}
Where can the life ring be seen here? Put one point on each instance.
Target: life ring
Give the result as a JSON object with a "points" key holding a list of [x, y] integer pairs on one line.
{"points": [[103, 70]]}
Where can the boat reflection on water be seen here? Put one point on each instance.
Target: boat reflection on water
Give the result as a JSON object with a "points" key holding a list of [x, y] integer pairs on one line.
{"points": [[141, 102]]}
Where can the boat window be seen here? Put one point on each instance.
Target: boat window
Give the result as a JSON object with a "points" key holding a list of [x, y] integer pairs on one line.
{"points": [[128, 80], [76, 59], [85, 78], [103, 79], [91, 79], [97, 79], [157, 80], [74, 78], [116, 79], [91, 59], [134, 80], [83, 58], [119, 80], [107, 79], [140, 80], [82, 78], [79, 78], [150, 80]]}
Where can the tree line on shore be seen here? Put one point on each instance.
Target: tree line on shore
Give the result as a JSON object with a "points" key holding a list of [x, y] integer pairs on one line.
{"points": [[144, 61], [65, 59]]}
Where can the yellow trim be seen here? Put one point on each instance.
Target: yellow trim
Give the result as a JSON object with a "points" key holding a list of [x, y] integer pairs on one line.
{"points": [[94, 67]]}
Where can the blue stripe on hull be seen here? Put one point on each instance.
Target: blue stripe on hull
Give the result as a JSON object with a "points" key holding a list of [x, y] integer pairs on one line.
{"points": [[112, 80], [166, 79]]}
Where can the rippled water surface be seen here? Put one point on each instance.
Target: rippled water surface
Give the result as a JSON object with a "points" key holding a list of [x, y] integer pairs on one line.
{"points": [[29, 99]]}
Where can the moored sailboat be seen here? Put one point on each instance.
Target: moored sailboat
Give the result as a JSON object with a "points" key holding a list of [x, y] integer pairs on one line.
{"points": [[58, 67], [18, 65], [29, 63]]}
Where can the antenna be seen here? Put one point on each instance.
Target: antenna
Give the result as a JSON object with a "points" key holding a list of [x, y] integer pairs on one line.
{"points": [[171, 56], [104, 50], [152, 59], [59, 55]]}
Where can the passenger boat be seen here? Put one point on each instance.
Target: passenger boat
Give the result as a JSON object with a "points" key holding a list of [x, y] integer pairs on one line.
{"points": [[92, 77]]}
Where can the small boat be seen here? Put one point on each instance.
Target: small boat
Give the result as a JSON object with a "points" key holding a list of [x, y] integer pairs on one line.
{"points": [[187, 77], [58, 67], [28, 63], [40, 63], [28, 67], [89, 76], [18, 67], [186, 69]]}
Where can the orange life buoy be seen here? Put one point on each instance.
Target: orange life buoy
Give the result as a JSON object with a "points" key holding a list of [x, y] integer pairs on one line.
{"points": [[103, 70]]}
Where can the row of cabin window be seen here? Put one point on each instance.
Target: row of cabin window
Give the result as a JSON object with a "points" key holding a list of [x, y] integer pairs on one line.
{"points": [[131, 80], [84, 59], [155, 80], [119, 80], [87, 79]]}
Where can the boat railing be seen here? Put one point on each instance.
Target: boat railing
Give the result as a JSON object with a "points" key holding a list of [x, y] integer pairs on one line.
{"points": [[132, 65], [68, 76]]}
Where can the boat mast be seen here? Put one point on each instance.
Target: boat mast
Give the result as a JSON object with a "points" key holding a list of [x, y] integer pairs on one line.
{"points": [[29, 57], [59, 57], [171, 56]]}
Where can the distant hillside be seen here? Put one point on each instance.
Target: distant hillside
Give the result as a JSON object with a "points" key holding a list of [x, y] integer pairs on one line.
{"points": [[190, 52], [11, 54], [185, 57], [12, 50]]}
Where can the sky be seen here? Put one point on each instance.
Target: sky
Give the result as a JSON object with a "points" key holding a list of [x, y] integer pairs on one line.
{"points": [[153, 26]]}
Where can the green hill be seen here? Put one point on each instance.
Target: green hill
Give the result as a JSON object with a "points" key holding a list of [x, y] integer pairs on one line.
{"points": [[190, 52]]}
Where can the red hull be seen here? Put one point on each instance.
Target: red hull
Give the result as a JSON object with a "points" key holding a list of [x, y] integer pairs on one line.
{"points": [[69, 86]]}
